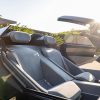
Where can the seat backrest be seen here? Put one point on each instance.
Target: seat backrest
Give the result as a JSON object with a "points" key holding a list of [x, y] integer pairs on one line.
{"points": [[46, 42], [55, 56], [29, 60], [33, 64], [23, 53]]}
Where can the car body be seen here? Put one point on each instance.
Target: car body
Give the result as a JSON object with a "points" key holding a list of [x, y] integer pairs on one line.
{"points": [[27, 73]]}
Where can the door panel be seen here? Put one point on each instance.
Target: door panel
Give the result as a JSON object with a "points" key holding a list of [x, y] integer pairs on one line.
{"points": [[78, 49]]}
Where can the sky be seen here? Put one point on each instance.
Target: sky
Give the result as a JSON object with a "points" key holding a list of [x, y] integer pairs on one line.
{"points": [[42, 14]]}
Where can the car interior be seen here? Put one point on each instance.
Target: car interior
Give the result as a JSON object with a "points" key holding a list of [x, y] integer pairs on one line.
{"points": [[38, 66]]}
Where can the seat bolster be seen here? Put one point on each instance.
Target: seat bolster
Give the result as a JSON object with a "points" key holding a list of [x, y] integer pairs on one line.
{"points": [[85, 76], [67, 90]]}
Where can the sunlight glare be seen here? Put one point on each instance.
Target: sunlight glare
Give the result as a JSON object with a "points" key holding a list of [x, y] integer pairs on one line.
{"points": [[97, 20]]}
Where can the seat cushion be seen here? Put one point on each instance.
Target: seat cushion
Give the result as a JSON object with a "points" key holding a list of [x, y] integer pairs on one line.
{"points": [[44, 83], [67, 90], [85, 76]]}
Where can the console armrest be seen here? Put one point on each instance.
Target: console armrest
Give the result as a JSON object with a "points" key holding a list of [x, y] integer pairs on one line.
{"points": [[85, 76], [67, 90]]}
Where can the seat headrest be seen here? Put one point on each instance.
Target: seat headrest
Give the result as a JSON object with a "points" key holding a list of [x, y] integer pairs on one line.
{"points": [[47, 40], [19, 37]]}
